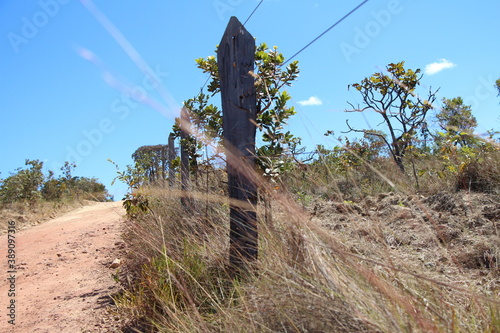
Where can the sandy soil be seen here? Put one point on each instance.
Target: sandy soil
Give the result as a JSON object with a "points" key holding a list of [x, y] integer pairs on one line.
{"points": [[63, 279]]}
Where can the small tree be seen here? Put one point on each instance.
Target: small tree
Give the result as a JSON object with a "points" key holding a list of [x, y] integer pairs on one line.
{"points": [[457, 121], [90, 188], [190, 143], [153, 160], [272, 110], [134, 176], [205, 117], [67, 169], [393, 96], [24, 185], [56, 188]]}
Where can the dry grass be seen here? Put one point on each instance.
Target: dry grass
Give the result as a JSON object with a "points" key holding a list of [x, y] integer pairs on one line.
{"points": [[30, 214], [348, 258]]}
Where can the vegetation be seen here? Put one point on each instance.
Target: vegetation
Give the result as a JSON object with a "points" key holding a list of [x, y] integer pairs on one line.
{"points": [[348, 246], [393, 96], [29, 191], [152, 160], [356, 258], [24, 185], [456, 119], [272, 109]]}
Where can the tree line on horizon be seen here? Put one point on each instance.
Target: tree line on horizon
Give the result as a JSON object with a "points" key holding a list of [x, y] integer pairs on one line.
{"points": [[31, 185]]}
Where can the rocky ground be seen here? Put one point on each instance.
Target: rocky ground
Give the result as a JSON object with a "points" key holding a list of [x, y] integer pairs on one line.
{"points": [[451, 238]]}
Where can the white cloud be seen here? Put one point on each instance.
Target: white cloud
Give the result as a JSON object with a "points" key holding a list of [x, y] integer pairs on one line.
{"points": [[438, 66], [313, 100]]}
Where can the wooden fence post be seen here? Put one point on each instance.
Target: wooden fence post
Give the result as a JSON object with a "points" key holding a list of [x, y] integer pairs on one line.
{"points": [[236, 58], [163, 164], [185, 123], [171, 157]]}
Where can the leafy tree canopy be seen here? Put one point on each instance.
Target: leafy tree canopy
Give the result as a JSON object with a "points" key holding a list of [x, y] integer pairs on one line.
{"points": [[455, 116], [392, 94], [456, 120], [272, 109], [30, 185]]}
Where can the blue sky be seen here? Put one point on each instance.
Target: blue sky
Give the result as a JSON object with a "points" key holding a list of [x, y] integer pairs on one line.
{"points": [[64, 75]]}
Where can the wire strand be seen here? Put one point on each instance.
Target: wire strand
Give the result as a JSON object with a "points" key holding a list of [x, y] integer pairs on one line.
{"points": [[204, 85], [255, 9], [261, 1], [324, 32]]}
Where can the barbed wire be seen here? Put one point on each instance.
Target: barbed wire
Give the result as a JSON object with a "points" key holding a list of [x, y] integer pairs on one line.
{"points": [[261, 1], [251, 14], [302, 49], [324, 32], [206, 81]]}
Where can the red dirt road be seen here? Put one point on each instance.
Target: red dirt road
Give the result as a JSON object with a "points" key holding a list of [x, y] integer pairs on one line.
{"points": [[62, 277]]}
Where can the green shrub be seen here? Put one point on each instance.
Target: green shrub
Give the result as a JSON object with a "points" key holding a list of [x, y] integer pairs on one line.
{"points": [[24, 185]]}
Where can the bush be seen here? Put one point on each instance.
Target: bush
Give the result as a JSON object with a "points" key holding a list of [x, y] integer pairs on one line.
{"points": [[474, 167], [31, 185], [480, 170], [24, 185]]}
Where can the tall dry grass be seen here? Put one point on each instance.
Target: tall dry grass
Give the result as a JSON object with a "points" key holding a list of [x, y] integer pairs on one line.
{"points": [[27, 214], [367, 274]]}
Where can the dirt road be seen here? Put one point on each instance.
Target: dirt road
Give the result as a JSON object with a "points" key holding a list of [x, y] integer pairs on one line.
{"points": [[62, 280]]}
